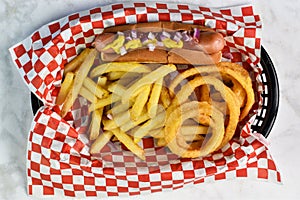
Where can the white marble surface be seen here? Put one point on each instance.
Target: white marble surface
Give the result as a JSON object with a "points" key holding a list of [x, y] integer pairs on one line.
{"points": [[280, 37]]}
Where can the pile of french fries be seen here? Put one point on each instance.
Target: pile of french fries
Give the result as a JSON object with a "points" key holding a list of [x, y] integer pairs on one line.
{"points": [[128, 101]]}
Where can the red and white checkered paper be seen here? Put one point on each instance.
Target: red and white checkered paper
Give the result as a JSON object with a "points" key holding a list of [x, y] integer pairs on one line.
{"points": [[59, 162]]}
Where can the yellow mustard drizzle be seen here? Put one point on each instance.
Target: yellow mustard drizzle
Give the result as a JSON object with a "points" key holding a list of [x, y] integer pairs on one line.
{"points": [[133, 44], [136, 43], [169, 43], [154, 41], [116, 44]]}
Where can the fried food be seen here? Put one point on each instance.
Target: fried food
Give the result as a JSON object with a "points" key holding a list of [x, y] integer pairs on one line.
{"points": [[154, 98], [76, 62], [140, 102], [88, 95], [233, 70], [65, 88], [189, 130], [150, 78], [101, 103], [128, 142], [95, 124], [119, 67], [81, 74], [94, 88], [101, 141], [193, 113], [151, 124], [227, 94], [120, 107], [102, 81], [131, 124], [112, 76], [117, 89], [177, 142], [165, 97]]}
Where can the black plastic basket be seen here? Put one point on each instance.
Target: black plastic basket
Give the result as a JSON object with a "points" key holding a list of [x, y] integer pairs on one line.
{"points": [[265, 117]]}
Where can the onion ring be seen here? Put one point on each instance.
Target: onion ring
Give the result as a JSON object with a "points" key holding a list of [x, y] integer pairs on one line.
{"points": [[226, 93], [233, 70], [237, 89], [176, 142]]}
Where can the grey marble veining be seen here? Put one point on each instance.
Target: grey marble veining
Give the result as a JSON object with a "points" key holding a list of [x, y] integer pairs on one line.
{"points": [[280, 37]]}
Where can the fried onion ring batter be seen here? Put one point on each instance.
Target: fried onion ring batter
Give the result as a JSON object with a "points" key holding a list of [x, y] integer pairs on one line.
{"points": [[176, 141]]}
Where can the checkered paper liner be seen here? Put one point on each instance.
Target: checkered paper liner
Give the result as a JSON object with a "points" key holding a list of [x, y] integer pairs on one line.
{"points": [[59, 162]]}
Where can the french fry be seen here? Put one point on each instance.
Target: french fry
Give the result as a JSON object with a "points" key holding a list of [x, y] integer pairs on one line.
{"points": [[101, 103], [165, 97], [132, 75], [114, 139], [117, 120], [129, 78], [128, 142], [119, 67], [157, 133], [95, 124], [112, 76], [116, 89], [119, 89], [153, 123], [77, 61], [140, 102], [123, 119], [131, 123], [97, 116], [125, 125], [119, 108], [102, 80], [148, 79], [88, 95], [100, 142], [82, 72], [102, 83], [65, 88], [109, 124], [94, 88], [154, 98], [161, 142]]}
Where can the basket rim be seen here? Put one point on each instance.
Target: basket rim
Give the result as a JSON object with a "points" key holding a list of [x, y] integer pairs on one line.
{"points": [[273, 95]]}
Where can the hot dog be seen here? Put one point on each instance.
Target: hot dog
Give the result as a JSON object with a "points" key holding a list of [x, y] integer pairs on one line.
{"points": [[160, 42]]}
